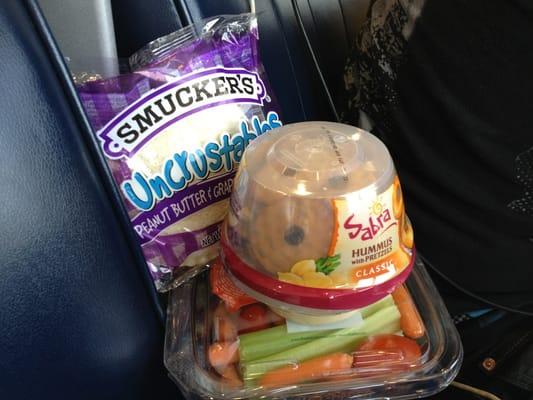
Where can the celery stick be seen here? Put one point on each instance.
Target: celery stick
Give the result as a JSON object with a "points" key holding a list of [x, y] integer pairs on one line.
{"points": [[378, 305], [264, 334], [255, 345], [386, 320], [268, 346]]}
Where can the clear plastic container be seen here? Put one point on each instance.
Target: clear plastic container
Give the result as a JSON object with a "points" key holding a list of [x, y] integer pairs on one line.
{"points": [[315, 294], [223, 349], [317, 227]]}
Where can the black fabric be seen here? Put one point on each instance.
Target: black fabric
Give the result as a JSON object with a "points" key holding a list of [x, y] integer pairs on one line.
{"points": [[454, 108], [137, 22], [498, 357]]}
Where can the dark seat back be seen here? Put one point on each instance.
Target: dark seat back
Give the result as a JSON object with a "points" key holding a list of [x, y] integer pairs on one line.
{"points": [[331, 25], [78, 316]]}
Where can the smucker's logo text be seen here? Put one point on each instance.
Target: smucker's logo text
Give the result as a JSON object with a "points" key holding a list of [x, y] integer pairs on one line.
{"points": [[125, 134]]}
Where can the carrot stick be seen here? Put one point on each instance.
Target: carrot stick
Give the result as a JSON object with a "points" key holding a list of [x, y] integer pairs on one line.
{"points": [[307, 370], [410, 321], [222, 354]]}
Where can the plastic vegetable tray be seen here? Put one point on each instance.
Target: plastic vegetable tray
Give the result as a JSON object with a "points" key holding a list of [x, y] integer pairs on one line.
{"points": [[190, 334]]}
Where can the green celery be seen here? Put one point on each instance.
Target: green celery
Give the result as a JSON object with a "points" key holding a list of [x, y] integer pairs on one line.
{"points": [[249, 339], [260, 344], [271, 345], [386, 320]]}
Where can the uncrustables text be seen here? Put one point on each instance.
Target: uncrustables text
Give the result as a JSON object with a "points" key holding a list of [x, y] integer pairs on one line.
{"points": [[183, 167]]}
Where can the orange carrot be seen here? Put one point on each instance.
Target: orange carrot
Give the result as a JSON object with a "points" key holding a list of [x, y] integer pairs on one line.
{"points": [[307, 370], [222, 354], [252, 318], [225, 289], [410, 321]]}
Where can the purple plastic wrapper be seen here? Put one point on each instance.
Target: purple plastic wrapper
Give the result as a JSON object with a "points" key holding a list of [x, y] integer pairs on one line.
{"points": [[173, 132]]}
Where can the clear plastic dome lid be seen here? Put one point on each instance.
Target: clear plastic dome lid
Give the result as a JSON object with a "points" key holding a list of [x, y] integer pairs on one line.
{"points": [[317, 212], [319, 159]]}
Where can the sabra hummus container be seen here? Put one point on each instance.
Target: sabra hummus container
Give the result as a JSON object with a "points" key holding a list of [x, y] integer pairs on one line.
{"points": [[220, 344], [317, 227]]}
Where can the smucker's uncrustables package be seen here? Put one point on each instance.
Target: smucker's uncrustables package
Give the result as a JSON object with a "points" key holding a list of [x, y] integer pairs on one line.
{"points": [[173, 132]]}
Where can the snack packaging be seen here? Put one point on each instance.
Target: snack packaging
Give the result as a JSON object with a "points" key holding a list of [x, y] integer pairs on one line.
{"points": [[317, 226], [318, 292], [404, 347], [173, 132]]}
